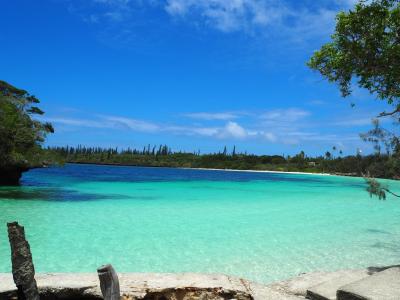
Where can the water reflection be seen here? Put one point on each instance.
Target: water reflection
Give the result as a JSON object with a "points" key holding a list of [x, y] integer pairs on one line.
{"points": [[391, 246], [377, 231], [60, 195]]}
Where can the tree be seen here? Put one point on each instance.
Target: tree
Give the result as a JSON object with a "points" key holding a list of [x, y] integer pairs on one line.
{"points": [[328, 155], [21, 135], [365, 50], [381, 137]]}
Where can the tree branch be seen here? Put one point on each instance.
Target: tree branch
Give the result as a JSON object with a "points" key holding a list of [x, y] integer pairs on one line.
{"points": [[386, 114], [390, 192]]}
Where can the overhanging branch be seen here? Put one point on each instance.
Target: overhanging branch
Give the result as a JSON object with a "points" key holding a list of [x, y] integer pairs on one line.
{"points": [[390, 192], [387, 114]]}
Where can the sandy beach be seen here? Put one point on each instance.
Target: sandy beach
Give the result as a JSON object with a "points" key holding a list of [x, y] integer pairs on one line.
{"points": [[258, 171]]}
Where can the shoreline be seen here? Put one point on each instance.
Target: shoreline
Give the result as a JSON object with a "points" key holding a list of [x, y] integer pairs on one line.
{"points": [[211, 169], [231, 170], [260, 171]]}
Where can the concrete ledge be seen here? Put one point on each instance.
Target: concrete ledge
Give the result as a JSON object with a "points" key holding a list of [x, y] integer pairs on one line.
{"points": [[379, 286], [327, 289], [318, 284], [301, 284]]}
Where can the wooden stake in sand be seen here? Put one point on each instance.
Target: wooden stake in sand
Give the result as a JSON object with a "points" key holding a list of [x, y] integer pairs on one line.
{"points": [[22, 266], [109, 282]]}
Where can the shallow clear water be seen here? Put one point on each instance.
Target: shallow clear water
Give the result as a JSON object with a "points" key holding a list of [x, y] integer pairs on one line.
{"points": [[261, 226]]}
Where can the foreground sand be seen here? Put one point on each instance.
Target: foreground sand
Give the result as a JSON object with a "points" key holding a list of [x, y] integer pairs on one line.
{"points": [[148, 286], [374, 283]]}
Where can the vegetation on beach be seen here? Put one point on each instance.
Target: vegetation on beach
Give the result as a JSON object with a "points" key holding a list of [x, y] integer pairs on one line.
{"points": [[21, 135]]}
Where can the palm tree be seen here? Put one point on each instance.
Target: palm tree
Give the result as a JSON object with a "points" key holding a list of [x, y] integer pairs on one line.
{"points": [[328, 155]]}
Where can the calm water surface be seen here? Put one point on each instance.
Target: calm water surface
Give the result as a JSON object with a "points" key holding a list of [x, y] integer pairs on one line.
{"points": [[261, 226]]}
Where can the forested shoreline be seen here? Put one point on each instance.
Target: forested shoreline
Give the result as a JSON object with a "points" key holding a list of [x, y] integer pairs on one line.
{"points": [[21, 134], [376, 165]]}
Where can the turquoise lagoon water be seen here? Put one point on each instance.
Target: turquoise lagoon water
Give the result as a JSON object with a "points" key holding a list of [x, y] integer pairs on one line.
{"points": [[261, 226]]}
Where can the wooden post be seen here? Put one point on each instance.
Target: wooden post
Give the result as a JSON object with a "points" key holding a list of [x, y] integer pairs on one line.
{"points": [[109, 283], [22, 266]]}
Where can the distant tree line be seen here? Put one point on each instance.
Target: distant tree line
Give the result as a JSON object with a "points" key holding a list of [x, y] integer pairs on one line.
{"points": [[377, 165]]}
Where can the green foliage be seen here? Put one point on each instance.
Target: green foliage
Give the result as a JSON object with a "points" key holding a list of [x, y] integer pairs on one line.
{"points": [[366, 48], [20, 134]]}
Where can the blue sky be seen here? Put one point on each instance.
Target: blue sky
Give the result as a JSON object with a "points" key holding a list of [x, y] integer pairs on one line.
{"points": [[194, 74]]}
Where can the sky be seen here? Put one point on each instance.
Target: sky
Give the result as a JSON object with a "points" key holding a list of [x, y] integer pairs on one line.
{"points": [[192, 74]]}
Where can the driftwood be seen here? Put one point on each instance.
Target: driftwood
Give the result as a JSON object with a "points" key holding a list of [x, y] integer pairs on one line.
{"points": [[22, 266], [109, 283]]}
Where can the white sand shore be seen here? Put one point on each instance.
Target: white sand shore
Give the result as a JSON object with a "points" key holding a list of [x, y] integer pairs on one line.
{"points": [[258, 171]]}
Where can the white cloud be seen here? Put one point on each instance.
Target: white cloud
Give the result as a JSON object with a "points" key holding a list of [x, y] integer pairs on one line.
{"points": [[176, 7], [133, 124], [316, 102], [212, 116], [111, 122], [310, 24], [347, 3], [285, 115], [76, 122], [229, 15], [234, 130], [264, 17], [205, 131], [281, 126], [230, 130], [282, 18], [359, 119], [269, 136], [353, 122]]}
